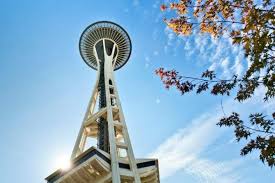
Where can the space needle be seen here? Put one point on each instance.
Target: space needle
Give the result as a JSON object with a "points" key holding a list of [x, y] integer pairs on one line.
{"points": [[105, 47]]}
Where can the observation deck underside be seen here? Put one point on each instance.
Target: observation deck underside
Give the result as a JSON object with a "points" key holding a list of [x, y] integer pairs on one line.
{"points": [[93, 166]]}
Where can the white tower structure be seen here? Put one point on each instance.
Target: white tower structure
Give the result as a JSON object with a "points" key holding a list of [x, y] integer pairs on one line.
{"points": [[105, 47]]}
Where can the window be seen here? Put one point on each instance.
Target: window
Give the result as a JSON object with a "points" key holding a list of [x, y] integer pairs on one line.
{"points": [[111, 91]]}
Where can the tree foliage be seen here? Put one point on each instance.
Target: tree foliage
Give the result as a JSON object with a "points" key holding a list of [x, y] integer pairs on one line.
{"points": [[251, 26]]}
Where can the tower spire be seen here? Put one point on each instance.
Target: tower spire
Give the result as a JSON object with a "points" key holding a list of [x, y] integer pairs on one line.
{"points": [[106, 47]]}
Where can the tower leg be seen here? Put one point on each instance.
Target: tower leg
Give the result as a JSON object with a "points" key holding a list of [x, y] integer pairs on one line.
{"points": [[130, 153], [79, 147], [109, 76], [112, 141]]}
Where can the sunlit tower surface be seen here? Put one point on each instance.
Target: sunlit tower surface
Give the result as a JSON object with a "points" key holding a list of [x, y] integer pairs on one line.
{"points": [[105, 47]]}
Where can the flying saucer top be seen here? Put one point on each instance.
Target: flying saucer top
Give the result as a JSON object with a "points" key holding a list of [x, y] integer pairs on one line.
{"points": [[100, 30]]}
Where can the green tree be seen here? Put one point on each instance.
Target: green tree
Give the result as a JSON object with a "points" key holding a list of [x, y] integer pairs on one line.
{"points": [[251, 26]]}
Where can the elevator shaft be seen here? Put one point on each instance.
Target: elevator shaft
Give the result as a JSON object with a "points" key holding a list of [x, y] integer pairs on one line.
{"points": [[103, 139]]}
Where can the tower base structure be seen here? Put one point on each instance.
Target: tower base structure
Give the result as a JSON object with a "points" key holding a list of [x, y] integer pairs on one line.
{"points": [[94, 166]]}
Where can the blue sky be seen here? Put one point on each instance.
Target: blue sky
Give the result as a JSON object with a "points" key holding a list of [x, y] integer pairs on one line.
{"points": [[45, 88]]}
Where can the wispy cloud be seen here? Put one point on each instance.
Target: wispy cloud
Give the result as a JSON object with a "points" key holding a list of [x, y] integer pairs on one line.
{"points": [[238, 66], [182, 152], [155, 34], [210, 171], [126, 10], [173, 42], [188, 149], [170, 36], [225, 67], [157, 101], [136, 2], [147, 62], [156, 4], [155, 53], [215, 54]]}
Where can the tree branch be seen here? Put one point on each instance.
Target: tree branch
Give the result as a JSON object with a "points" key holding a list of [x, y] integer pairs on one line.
{"points": [[262, 131]]}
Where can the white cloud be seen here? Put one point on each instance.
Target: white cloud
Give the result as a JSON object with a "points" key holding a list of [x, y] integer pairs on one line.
{"points": [[217, 54], [126, 10], [223, 57], [155, 34], [173, 42], [201, 42], [156, 4], [238, 65], [185, 146], [224, 65], [166, 49], [155, 53], [220, 50], [136, 2], [157, 100], [147, 65], [159, 17], [268, 107], [170, 35], [214, 172], [213, 66], [188, 147], [187, 45], [147, 62]]}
